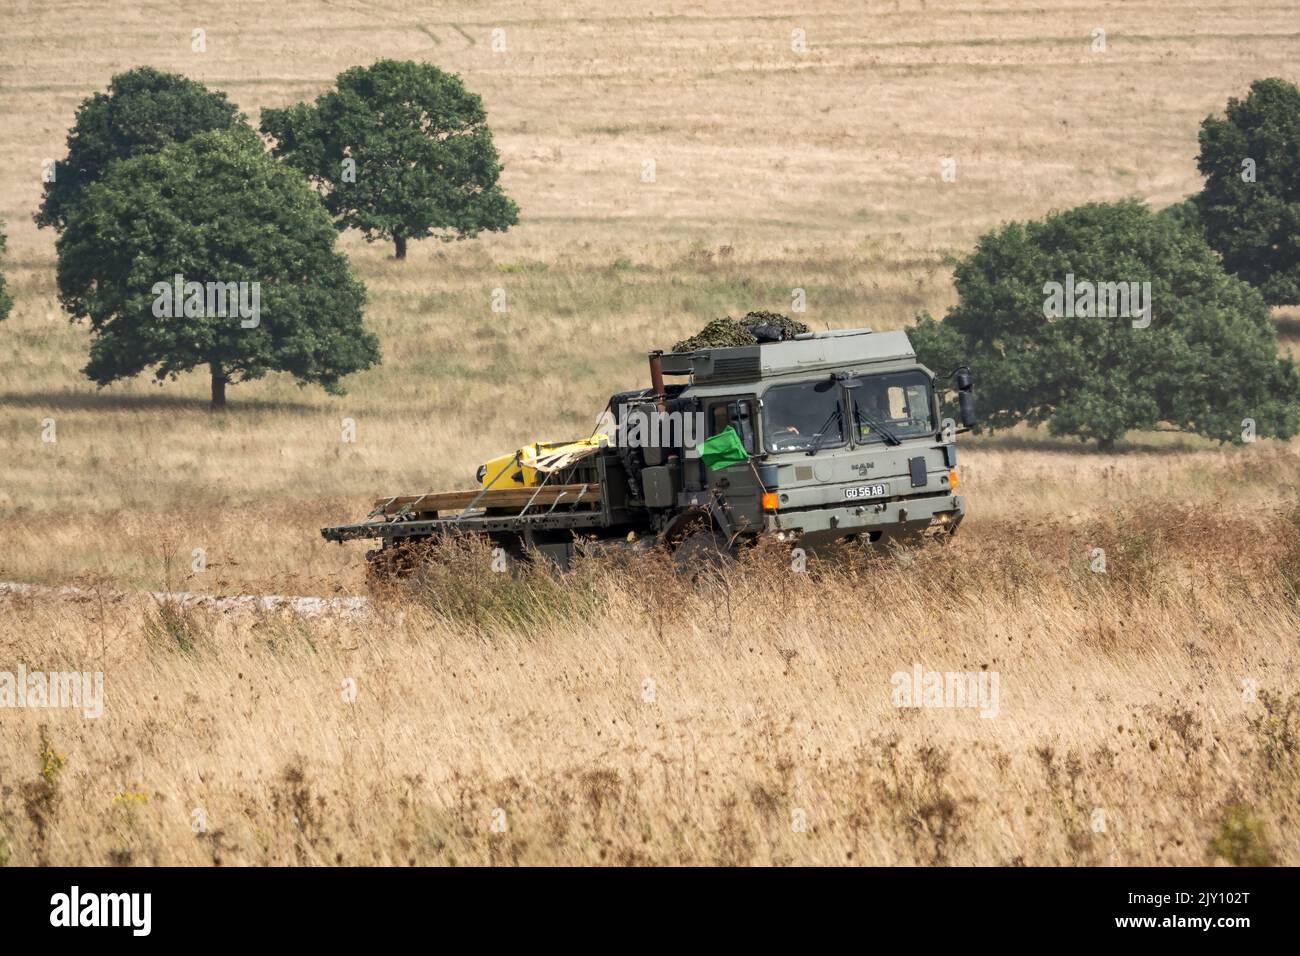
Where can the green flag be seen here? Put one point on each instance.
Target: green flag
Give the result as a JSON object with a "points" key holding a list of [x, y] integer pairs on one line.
{"points": [[723, 449]]}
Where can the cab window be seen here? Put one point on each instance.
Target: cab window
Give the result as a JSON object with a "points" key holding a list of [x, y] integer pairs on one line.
{"points": [[802, 416], [736, 412], [899, 401]]}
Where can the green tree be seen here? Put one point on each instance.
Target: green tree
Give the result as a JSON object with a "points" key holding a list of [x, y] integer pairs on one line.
{"points": [[6, 300], [401, 150], [218, 211], [1206, 361], [143, 111], [1185, 213], [1250, 206]]}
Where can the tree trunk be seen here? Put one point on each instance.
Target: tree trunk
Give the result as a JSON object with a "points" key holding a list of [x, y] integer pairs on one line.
{"points": [[218, 387], [400, 242]]}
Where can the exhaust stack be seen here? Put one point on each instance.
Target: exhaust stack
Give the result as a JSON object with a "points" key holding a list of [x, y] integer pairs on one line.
{"points": [[657, 377]]}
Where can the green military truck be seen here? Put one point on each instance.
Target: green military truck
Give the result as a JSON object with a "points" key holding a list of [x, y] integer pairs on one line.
{"points": [[827, 437]]}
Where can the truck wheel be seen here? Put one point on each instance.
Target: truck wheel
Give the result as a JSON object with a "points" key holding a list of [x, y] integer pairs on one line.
{"points": [[387, 565], [703, 551]]}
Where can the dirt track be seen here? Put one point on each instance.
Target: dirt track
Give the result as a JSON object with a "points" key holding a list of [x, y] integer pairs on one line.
{"points": [[306, 606]]}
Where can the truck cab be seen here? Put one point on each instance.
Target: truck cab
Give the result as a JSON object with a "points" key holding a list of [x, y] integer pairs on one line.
{"points": [[845, 432]]}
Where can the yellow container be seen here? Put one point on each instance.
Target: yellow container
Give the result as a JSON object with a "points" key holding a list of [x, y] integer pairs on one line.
{"points": [[505, 472], [527, 467]]}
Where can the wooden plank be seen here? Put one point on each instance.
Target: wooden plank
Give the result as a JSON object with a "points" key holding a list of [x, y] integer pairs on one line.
{"points": [[495, 498]]}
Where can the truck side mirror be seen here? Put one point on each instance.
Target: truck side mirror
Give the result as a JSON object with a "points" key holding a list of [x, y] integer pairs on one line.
{"points": [[966, 402], [965, 381]]}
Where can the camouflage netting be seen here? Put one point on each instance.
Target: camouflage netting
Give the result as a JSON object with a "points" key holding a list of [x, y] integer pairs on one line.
{"points": [[788, 327], [717, 334], [726, 332]]}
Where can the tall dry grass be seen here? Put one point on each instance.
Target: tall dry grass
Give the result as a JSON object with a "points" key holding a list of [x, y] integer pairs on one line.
{"points": [[621, 714]]}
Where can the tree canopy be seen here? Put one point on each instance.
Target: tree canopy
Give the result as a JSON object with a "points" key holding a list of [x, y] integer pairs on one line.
{"points": [[1250, 206], [401, 150], [1204, 358], [143, 111], [209, 252], [6, 300]]}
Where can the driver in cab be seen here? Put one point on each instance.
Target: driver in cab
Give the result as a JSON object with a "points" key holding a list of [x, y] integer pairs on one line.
{"points": [[874, 404]]}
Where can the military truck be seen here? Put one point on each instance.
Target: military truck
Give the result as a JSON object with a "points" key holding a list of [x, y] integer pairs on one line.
{"points": [[836, 437]]}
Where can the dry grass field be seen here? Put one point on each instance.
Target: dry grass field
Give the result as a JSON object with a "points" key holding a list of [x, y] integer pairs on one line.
{"points": [[510, 721]]}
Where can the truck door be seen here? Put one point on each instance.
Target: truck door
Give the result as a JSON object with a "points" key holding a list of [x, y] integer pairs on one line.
{"points": [[736, 485]]}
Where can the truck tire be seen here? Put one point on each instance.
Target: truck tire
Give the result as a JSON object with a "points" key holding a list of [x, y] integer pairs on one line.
{"points": [[703, 551], [388, 564]]}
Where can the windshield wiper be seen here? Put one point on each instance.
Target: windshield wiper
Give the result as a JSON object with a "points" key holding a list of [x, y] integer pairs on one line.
{"points": [[885, 432], [821, 432]]}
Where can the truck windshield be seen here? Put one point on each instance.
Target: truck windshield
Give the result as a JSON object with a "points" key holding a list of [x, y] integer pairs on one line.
{"points": [[803, 416], [900, 401]]}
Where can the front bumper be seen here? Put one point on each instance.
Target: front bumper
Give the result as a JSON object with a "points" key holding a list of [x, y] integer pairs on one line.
{"points": [[901, 518]]}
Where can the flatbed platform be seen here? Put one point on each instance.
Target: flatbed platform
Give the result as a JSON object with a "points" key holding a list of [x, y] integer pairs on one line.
{"points": [[498, 509], [438, 501]]}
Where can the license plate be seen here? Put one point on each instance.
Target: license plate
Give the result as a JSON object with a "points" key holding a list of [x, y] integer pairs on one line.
{"points": [[859, 492]]}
